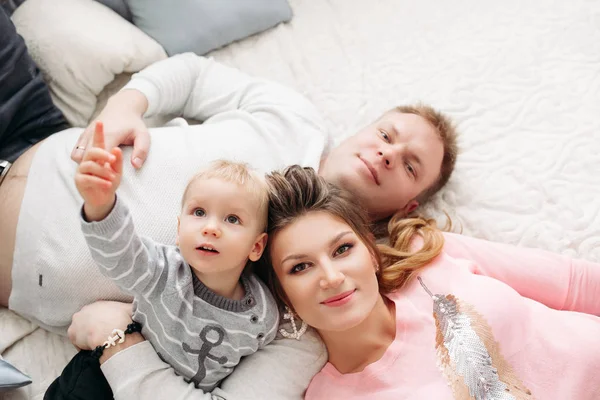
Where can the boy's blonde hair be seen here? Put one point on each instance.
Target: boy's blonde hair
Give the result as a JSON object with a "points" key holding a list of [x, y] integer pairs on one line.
{"points": [[240, 174]]}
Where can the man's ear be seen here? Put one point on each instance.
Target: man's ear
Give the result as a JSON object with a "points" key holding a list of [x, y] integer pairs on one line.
{"points": [[258, 248], [178, 225], [409, 207]]}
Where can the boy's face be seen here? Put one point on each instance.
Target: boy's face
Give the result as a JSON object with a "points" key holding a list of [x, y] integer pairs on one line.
{"points": [[220, 227]]}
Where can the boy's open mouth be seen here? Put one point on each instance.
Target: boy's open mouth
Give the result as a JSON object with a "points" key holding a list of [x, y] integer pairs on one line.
{"points": [[207, 249]]}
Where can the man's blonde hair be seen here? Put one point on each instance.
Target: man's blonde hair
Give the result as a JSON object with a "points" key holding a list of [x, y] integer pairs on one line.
{"points": [[240, 174]]}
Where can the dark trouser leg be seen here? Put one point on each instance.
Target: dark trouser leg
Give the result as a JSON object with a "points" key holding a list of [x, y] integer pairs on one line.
{"points": [[82, 378], [27, 113]]}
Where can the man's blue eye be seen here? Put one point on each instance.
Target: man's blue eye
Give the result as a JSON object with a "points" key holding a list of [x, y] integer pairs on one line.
{"points": [[385, 136]]}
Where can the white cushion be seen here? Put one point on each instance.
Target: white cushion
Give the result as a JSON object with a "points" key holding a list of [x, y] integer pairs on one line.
{"points": [[80, 46]]}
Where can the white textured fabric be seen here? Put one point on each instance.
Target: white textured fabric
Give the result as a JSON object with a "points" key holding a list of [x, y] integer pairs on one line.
{"points": [[521, 78], [80, 46]]}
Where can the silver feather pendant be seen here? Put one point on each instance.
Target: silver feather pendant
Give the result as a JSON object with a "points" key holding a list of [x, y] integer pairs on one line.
{"points": [[468, 354]]}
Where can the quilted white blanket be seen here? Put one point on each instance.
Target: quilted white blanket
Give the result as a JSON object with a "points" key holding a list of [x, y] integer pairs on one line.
{"points": [[521, 78]]}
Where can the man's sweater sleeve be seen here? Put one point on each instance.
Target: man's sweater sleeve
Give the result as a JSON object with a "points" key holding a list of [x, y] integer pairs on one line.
{"points": [[138, 373], [197, 87], [282, 370], [130, 261]]}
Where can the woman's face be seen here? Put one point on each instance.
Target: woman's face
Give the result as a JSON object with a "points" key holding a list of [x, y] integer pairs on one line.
{"points": [[326, 271]]}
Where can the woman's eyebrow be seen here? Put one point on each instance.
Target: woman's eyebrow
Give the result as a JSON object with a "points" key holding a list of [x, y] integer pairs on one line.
{"points": [[338, 237], [331, 243]]}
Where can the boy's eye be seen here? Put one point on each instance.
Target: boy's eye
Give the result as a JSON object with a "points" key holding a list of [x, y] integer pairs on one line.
{"points": [[232, 219], [342, 249], [198, 212]]}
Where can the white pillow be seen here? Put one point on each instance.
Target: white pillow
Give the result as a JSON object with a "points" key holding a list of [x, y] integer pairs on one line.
{"points": [[80, 46]]}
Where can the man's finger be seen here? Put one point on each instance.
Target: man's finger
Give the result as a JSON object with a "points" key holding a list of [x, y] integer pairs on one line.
{"points": [[141, 146], [98, 140], [79, 149]]}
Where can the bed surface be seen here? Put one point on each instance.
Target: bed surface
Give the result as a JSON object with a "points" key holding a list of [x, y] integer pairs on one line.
{"points": [[522, 79]]}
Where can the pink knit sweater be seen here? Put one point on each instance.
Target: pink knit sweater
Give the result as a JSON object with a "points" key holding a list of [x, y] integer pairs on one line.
{"points": [[540, 310]]}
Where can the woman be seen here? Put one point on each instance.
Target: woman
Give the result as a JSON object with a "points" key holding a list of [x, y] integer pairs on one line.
{"points": [[414, 320]]}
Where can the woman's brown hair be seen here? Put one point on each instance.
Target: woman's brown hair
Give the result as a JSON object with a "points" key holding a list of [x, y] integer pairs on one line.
{"points": [[298, 191]]}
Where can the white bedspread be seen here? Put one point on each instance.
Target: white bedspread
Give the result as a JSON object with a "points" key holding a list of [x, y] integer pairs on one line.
{"points": [[521, 78]]}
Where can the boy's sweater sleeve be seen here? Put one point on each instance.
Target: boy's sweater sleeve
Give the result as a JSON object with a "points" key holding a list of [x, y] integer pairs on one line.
{"points": [[130, 261], [557, 281]]}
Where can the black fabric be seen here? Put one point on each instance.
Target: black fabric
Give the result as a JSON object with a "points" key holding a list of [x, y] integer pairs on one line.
{"points": [[11, 5], [82, 379], [27, 113]]}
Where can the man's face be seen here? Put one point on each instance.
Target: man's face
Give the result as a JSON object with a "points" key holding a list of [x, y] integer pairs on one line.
{"points": [[387, 164]]}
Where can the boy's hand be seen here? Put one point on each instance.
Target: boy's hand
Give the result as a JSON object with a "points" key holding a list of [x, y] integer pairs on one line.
{"points": [[98, 177]]}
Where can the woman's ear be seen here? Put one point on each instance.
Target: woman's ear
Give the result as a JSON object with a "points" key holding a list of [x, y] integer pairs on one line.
{"points": [[375, 264], [258, 248]]}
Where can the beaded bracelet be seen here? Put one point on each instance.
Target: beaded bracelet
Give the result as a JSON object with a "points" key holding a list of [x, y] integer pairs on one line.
{"points": [[117, 336]]}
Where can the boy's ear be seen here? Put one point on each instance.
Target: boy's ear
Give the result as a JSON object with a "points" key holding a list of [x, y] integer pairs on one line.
{"points": [[178, 224], [258, 248]]}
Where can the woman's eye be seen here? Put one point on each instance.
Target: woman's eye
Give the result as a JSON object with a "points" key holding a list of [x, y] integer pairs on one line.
{"points": [[385, 136], [298, 268], [232, 219], [342, 249], [198, 212]]}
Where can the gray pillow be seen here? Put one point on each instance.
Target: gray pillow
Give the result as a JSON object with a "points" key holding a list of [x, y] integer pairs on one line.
{"points": [[200, 26], [11, 378], [118, 6]]}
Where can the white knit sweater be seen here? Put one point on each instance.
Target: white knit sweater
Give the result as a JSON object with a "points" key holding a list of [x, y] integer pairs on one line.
{"points": [[245, 119]]}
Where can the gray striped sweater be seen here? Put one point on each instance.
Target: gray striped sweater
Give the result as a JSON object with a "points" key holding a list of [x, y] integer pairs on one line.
{"points": [[200, 333]]}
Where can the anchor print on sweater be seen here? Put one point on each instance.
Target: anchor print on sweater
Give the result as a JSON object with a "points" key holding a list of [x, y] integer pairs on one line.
{"points": [[204, 351]]}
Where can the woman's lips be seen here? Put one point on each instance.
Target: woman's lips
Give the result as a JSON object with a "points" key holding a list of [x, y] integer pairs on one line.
{"points": [[340, 299]]}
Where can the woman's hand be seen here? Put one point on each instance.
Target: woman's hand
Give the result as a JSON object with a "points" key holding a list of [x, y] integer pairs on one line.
{"points": [[94, 323], [123, 125]]}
